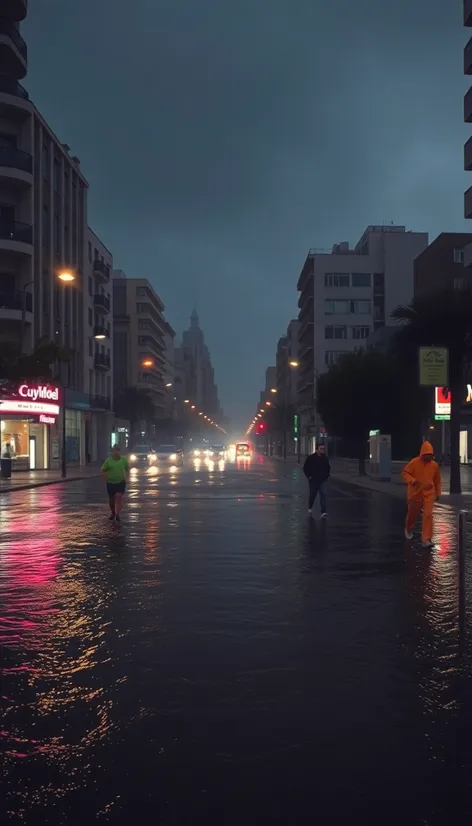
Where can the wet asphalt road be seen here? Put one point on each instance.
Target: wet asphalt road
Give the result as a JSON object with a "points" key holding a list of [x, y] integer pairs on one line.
{"points": [[223, 659]]}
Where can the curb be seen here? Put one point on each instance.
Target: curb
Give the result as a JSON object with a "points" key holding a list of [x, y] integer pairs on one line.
{"points": [[48, 482]]}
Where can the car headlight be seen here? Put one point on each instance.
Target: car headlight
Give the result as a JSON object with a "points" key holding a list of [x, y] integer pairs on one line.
{"points": [[151, 457], [172, 457], [133, 457], [196, 453]]}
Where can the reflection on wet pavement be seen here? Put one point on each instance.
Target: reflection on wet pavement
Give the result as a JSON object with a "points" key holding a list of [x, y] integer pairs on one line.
{"points": [[221, 658]]}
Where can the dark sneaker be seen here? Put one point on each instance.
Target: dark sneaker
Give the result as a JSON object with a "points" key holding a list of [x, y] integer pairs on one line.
{"points": [[117, 519], [324, 515], [111, 517]]}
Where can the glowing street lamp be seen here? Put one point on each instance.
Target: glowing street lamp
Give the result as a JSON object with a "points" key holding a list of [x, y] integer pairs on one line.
{"points": [[294, 363], [273, 390], [147, 363], [169, 384], [66, 276]]}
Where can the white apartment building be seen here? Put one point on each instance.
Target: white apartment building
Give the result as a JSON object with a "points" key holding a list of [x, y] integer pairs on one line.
{"points": [[346, 295], [170, 406]]}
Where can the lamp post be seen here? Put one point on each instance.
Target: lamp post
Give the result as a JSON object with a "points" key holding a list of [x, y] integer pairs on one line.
{"points": [[67, 276], [293, 364]]}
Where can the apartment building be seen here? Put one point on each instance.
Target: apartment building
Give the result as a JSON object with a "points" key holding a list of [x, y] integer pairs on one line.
{"points": [[286, 381], [200, 376], [169, 372], [345, 295], [441, 264], [98, 358], [43, 226], [139, 330]]}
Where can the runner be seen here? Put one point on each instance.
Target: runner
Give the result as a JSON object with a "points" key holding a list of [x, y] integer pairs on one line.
{"points": [[115, 470]]}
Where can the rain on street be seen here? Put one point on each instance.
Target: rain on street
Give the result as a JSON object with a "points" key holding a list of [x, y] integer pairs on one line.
{"points": [[221, 657]]}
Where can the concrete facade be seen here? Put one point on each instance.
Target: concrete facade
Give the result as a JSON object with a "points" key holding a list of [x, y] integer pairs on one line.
{"points": [[139, 330], [345, 296]]}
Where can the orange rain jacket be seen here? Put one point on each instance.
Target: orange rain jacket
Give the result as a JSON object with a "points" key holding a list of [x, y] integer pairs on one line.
{"points": [[423, 478]]}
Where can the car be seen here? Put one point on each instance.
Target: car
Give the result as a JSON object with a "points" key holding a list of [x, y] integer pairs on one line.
{"points": [[243, 450], [142, 455], [217, 453], [200, 451], [169, 455]]}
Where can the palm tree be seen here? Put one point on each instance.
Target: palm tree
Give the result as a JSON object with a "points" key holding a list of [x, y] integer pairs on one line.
{"points": [[442, 319]]}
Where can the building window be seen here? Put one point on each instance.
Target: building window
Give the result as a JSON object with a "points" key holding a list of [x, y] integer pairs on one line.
{"points": [[45, 225], [334, 357], [458, 256], [360, 332], [57, 233], [336, 332], [90, 347], [90, 286], [361, 279], [90, 317], [379, 283], [336, 306], [360, 307], [460, 283], [336, 279]]}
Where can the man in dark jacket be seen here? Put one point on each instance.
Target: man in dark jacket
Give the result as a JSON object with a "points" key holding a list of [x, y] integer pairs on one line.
{"points": [[317, 470]]}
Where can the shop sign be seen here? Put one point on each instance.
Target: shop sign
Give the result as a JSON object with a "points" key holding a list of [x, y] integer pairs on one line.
{"points": [[32, 400], [47, 419], [442, 402], [433, 366]]}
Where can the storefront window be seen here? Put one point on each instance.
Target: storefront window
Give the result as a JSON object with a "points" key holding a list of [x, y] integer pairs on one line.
{"points": [[15, 438], [73, 435]]}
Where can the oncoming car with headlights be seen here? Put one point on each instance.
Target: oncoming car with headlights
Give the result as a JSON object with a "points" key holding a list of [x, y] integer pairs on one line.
{"points": [[142, 455], [217, 453], [169, 455]]}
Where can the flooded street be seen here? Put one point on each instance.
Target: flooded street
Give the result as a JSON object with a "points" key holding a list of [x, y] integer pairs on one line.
{"points": [[222, 658]]}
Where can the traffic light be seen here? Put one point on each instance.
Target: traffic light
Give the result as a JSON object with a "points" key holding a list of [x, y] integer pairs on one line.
{"points": [[261, 427]]}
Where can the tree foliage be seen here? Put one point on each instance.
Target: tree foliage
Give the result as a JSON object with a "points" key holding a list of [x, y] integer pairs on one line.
{"points": [[39, 364], [443, 319], [134, 405], [367, 390]]}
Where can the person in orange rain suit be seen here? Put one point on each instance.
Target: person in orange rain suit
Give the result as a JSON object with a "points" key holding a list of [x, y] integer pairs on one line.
{"points": [[423, 478]]}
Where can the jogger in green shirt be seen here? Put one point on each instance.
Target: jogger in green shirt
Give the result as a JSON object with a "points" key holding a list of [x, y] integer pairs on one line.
{"points": [[115, 470]]}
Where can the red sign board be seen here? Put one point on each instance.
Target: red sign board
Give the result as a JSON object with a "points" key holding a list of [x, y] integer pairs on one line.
{"points": [[30, 399]]}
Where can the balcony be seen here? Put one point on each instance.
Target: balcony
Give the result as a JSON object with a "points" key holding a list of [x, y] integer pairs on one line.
{"points": [[100, 331], [16, 166], [13, 304], [101, 303], [468, 106], [468, 58], [100, 403], [16, 237], [467, 12], [102, 362], [101, 271], [15, 9], [468, 203], [13, 50]]}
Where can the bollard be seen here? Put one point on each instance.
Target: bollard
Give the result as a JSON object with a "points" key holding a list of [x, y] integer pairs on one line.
{"points": [[461, 568]]}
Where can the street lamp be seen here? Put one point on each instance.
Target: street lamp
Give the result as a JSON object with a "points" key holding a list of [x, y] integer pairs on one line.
{"points": [[293, 364], [273, 390], [147, 363], [169, 384], [67, 276]]}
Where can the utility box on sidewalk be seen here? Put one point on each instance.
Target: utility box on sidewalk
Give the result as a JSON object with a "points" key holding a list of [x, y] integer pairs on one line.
{"points": [[380, 456], [5, 468]]}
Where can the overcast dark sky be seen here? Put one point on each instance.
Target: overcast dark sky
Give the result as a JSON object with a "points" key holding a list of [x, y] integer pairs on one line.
{"points": [[221, 139]]}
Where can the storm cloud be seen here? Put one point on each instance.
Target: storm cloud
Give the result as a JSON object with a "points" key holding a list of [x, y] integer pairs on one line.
{"points": [[221, 140]]}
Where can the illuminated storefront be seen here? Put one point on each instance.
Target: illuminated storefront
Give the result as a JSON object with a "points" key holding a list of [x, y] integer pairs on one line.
{"points": [[29, 424]]}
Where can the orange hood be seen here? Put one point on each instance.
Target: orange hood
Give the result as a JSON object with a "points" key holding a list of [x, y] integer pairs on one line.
{"points": [[426, 447]]}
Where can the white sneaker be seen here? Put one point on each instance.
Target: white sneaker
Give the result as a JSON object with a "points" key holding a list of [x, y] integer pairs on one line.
{"points": [[309, 510], [428, 543], [408, 535], [324, 515]]}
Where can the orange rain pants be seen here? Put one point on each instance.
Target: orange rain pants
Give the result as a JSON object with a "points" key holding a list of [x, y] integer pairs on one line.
{"points": [[414, 507]]}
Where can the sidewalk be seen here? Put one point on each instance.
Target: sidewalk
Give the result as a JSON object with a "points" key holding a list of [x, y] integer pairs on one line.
{"points": [[39, 478], [345, 470]]}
